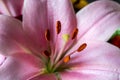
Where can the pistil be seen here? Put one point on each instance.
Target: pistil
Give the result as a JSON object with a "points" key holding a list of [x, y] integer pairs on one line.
{"points": [[66, 38]]}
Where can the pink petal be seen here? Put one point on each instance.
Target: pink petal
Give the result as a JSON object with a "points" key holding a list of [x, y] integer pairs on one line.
{"points": [[104, 28], [97, 55], [98, 61], [11, 35], [61, 11], [35, 21], [101, 18], [89, 75], [44, 77], [44, 15], [20, 66], [11, 7]]}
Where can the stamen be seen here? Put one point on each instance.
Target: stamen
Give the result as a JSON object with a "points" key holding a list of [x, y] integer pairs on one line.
{"points": [[58, 30], [47, 35], [74, 33], [82, 47], [65, 37], [46, 53], [66, 59], [58, 27]]}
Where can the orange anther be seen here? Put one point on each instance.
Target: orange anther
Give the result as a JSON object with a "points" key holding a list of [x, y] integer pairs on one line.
{"points": [[74, 33], [47, 35], [58, 27], [66, 59], [82, 47]]}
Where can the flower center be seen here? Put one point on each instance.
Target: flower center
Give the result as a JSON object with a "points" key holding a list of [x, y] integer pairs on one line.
{"points": [[54, 60]]}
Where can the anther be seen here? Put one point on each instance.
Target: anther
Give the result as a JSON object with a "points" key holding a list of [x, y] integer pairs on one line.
{"points": [[82, 47], [58, 27], [47, 35], [66, 59], [46, 53], [74, 33]]}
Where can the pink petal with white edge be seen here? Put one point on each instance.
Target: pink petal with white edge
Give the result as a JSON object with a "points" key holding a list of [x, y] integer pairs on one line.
{"points": [[43, 15], [20, 66], [11, 35], [3, 9], [95, 16], [44, 77], [97, 55], [11, 7], [89, 75]]}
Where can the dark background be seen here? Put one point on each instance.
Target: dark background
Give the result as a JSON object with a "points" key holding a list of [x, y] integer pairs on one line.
{"points": [[95, 0], [89, 1]]}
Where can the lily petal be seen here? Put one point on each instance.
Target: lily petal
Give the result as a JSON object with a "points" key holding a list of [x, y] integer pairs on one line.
{"points": [[89, 75], [11, 7], [11, 35], [35, 21], [22, 66], [104, 28], [97, 17], [97, 55], [43, 15]]}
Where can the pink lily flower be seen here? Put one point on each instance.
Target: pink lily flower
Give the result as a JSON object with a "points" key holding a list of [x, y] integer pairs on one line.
{"points": [[11, 7], [52, 43]]}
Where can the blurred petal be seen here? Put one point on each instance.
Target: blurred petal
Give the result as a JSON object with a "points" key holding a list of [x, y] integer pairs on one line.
{"points": [[11, 35], [97, 17], [4, 9], [2, 59], [89, 75], [11, 7], [20, 66]]}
